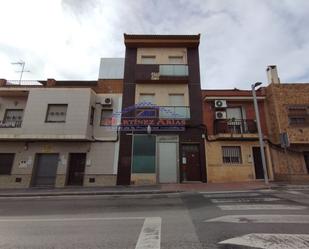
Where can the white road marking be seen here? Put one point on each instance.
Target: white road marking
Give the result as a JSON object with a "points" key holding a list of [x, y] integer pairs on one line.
{"points": [[301, 219], [240, 200], [294, 192], [226, 195], [271, 241], [227, 192], [261, 207], [19, 219], [150, 236]]}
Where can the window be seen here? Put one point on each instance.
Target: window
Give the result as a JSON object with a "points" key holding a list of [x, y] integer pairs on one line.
{"points": [[144, 154], [92, 115], [147, 99], [148, 59], [6, 163], [175, 59], [176, 99], [13, 117], [298, 115], [56, 113], [106, 117], [231, 154]]}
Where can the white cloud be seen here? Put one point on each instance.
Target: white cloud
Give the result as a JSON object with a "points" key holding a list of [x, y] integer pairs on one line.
{"points": [[65, 39]]}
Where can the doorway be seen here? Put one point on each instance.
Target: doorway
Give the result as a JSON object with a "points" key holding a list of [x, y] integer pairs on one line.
{"points": [[258, 165], [306, 157], [45, 170], [77, 164], [167, 162], [190, 162]]}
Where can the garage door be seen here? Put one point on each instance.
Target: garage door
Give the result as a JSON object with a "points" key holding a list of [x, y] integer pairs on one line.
{"points": [[45, 169]]}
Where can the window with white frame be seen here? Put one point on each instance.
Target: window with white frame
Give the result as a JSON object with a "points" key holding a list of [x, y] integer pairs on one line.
{"points": [[148, 59], [106, 117], [147, 98], [175, 59], [56, 113], [231, 155], [176, 99]]}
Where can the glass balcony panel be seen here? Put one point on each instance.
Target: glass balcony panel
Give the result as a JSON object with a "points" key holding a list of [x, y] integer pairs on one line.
{"points": [[173, 70]]}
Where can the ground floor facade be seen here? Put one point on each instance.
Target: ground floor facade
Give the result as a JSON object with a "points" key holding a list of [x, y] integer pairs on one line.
{"points": [[291, 164], [58, 164], [161, 158], [236, 161]]}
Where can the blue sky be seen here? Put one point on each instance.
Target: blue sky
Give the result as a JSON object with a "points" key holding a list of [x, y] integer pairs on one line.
{"points": [[239, 38]]}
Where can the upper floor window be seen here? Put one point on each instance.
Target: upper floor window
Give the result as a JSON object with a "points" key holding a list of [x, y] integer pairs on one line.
{"points": [[175, 59], [298, 115], [13, 117], [6, 163], [106, 117], [148, 59], [176, 99], [147, 98], [56, 113], [231, 155]]}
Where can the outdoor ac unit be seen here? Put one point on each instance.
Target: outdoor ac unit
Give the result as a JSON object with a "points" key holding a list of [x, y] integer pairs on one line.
{"points": [[219, 103], [220, 115], [107, 102]]}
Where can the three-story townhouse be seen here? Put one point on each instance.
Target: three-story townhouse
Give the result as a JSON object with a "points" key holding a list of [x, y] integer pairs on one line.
{"points": [[161, 126]]}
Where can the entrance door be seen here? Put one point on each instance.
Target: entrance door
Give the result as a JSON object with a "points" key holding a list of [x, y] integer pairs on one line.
{"points": [[306, 155], [258, 165], [167, 162], [191, 168], [45, 170], [76, 169]]}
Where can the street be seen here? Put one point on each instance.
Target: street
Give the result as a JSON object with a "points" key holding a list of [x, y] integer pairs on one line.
{"points": [[260, 219]]}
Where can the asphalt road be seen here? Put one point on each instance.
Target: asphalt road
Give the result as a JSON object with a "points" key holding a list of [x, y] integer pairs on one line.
{"points": [[260, 219]]}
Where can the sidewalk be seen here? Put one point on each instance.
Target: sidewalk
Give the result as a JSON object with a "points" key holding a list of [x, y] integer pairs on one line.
{"points": [[150, 189]]}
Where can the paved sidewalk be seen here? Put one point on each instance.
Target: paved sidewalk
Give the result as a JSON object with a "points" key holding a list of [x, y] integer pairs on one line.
{"points": [[149, 189]]}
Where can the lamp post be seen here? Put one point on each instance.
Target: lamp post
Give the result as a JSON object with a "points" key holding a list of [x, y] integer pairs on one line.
{"points": [[257, 115]]}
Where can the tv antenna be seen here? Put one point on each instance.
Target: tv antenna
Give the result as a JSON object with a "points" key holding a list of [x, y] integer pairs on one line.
{"points": [[22, 64]]}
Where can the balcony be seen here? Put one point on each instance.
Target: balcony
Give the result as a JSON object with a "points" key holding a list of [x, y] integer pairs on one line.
{"points": [[176, 73], [163, 112], [235, 126], [10, 124]]}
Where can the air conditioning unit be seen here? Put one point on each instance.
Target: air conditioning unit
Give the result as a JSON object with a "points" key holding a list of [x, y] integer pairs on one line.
{"points": [[220, 115], [219, 103], [107, 102]]}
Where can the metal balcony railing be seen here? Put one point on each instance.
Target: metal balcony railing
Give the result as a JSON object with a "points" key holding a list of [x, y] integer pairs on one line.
{"points": [[236, 126], [173, 70], [10, 124]]}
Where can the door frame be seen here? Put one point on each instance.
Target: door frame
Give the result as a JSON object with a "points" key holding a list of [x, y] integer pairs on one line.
{"points": [[68, 168], [266, 160], [176, 141], [200, 161], [35, 167]]}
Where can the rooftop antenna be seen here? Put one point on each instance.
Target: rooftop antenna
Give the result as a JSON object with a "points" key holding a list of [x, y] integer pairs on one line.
{"points": [[22, 64]]}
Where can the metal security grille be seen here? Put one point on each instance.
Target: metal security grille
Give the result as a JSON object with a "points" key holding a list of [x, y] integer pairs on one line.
{"points": [[231, 154]]}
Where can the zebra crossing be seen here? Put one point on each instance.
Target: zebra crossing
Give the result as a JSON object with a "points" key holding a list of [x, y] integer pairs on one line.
{"points": [[257, 208]]}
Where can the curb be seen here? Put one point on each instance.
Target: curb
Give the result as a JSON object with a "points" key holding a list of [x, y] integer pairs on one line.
{"points": [[96, 193]]}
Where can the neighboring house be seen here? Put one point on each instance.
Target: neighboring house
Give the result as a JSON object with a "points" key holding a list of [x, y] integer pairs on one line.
{"points": [[288, 112], [232, 146], [59, 133], [161, 126]]}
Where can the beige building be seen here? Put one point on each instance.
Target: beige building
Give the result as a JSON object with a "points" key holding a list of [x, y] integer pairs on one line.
{"points": [[60, 133], [288, 112], [232, 146]]}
